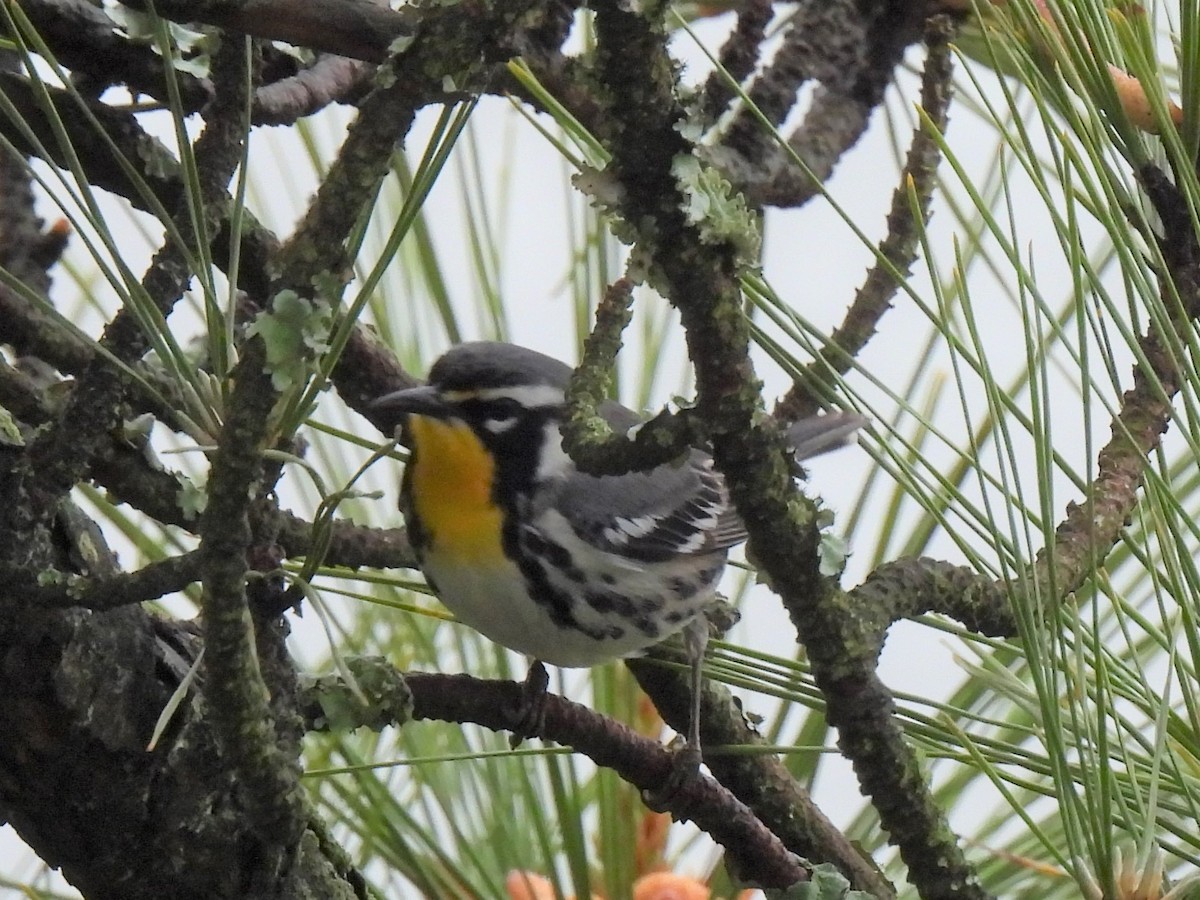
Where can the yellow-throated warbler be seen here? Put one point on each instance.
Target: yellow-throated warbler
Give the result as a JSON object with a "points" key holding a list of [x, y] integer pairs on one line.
{"points": [[568, 568]]}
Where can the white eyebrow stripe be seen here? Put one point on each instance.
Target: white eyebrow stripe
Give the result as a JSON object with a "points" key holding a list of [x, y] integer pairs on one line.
{"points": [[531, 396]]}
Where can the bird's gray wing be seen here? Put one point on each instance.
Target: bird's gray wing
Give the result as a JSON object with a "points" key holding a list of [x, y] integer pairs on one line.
{"points": [[677, 508], [652, 516], [674, 509]]}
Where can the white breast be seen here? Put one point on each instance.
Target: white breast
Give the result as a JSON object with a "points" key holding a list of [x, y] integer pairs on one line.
{"points": [[495, 603]]}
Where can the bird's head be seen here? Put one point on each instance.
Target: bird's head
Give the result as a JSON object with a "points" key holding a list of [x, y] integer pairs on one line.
{"points": [[509, 398]]}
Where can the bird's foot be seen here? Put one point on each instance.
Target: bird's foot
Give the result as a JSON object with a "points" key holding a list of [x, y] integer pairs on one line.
{"points": [[685, 769], [531, 713]]}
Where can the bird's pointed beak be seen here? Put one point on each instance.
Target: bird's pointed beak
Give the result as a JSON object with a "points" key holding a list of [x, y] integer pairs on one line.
{"points": [[399, 405]]}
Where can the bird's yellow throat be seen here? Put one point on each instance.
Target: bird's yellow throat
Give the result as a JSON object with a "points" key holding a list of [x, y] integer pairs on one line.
{"points": [[451, 478]]}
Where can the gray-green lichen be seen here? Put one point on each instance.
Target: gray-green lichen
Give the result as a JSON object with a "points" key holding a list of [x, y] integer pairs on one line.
{"points": [[378, 697], [716, 208], [826, 883], [294, 331]]}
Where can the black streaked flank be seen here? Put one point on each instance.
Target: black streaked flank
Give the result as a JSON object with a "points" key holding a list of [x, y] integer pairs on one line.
{"points": [[558, 556]]}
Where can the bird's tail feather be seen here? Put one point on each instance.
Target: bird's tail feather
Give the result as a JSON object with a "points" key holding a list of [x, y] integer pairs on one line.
{"points": [[816, 434]]}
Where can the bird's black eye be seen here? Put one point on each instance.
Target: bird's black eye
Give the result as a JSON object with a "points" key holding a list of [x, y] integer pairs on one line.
{"points": [[495, 414], [501, 414], [478, 409], [503, 408]]}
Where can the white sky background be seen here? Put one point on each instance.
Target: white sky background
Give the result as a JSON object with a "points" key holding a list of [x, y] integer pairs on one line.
{"points": [[812, 258]]}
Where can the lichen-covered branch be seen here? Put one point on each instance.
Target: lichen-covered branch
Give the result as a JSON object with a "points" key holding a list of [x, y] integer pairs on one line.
{"points": [[751, 847], [1091, 528], [237, 696], [762, 782], [898, 250], [85, 40], [701, 277], [357, 28], [58, 457], [851, 49], [738, 57], [592, 443]]}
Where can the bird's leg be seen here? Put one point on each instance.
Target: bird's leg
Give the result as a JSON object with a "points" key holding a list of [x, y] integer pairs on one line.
{"points": [[686, 763], [531, 714], [695, 639]]}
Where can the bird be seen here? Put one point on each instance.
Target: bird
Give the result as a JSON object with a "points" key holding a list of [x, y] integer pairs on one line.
{"points": [[568, 568]]}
